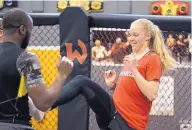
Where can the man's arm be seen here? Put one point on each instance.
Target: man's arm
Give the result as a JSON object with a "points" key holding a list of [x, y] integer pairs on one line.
{"points": [[35, 113], [105, 52], [42, 97], [93, 53]]}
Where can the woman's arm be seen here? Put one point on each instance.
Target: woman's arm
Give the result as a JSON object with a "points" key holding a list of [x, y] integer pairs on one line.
{"points": [[148, 88], [149, 85]]}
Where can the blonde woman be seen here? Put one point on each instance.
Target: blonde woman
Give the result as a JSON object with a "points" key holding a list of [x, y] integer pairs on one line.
{"points": [[137, 85]]}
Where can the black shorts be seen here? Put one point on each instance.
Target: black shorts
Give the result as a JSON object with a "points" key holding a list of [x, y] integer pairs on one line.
{"points": [[118, 123], [9, 126]]}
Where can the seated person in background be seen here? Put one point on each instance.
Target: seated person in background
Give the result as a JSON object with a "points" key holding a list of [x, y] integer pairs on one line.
{"points": [[1, 28], [170, 41], [188, 45], [116, 52], [171, 44], [99, 52], [186, 40], [127, 46], [181, 47]]}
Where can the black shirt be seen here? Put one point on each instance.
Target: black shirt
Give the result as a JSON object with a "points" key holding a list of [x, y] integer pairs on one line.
{"points": [[19, 71]]}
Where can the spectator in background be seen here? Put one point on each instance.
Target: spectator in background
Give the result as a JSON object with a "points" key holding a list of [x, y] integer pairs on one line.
{"points": [[170, 41], [116, 52], [181, 47], [127, 46], [98, 52], [1, 29], [188, 45]]}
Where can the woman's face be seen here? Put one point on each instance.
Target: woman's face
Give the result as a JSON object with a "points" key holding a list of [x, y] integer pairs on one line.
{"points": [[138, 37]]}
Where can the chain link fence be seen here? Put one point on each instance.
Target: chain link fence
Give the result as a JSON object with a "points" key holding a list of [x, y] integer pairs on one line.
{"points": [[45, 44], [172, 109]]}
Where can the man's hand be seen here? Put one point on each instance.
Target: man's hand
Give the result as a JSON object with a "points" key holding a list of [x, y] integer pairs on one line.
{"points": [[65, 67], [110, 77]]}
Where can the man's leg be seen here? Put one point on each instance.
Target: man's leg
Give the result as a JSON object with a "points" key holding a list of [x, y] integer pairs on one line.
{"points": [[96, 97]]}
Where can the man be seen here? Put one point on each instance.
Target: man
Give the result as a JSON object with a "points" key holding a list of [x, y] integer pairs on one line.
{"points": [[20, 74], [34, 112], [117, 51], [99, 52]]}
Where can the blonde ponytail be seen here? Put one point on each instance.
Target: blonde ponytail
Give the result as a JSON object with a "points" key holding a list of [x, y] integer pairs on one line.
{"points": [[160, 49], [157, 44]]}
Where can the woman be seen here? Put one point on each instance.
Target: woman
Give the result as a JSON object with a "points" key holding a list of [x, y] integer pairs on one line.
{"points": [[137, 85]]}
